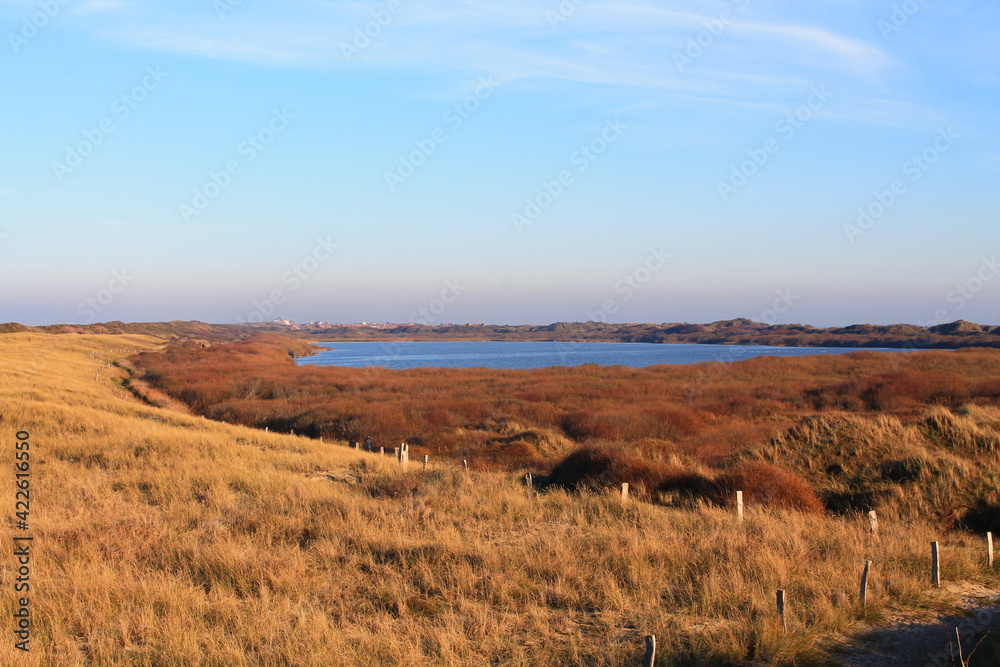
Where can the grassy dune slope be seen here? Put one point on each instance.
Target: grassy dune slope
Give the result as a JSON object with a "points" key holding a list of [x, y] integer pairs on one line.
{"points": [[167, 539]]}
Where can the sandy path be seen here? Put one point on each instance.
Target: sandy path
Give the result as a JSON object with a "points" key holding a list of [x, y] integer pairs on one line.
{"points": [[927, 639]]}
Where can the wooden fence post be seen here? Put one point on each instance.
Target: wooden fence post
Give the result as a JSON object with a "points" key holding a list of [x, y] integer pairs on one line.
{"points": [[465, 466], [781, 609], [624, 491], [935, 565], [739, 505], [381, 451], [425, 461], [873, 520], [650, 657], [529, 483], [989, 549], [864, 582]]}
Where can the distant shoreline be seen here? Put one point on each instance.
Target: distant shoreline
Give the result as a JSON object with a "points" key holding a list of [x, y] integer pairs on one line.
{"points": [[951, 336]]}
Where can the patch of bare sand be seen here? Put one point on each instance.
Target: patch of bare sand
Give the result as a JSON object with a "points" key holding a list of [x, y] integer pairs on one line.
{"points": [[927, 638]]}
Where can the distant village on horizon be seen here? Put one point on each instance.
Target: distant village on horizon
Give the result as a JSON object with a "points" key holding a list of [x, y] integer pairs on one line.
{"points": [[292, 324]]}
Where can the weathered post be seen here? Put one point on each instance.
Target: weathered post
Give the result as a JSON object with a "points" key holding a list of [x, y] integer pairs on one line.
{"points": [[465, 466], [935, 565], [781, 609], [873, 520], [864, 582], [529, 484], [425, 461], [381, 451], [739, 505], [624, 491], [650, 657], [989, 549]]}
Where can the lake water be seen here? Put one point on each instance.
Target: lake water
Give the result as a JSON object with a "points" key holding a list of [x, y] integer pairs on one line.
{"points": [[519, 355]]}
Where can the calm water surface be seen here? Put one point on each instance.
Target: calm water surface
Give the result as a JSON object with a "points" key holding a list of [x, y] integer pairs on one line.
{"points": [[518, 355]]}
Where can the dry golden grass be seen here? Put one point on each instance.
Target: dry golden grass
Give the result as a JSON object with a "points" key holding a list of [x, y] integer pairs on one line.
{"points": [[167, 539]]}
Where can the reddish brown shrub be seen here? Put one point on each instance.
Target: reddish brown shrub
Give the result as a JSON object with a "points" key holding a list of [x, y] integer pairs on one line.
{"points": [[767, 485], [989, 389], [586, 425], [606, 467], [680, 422]]}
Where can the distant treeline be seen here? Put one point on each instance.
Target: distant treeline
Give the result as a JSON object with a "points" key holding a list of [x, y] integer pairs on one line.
{"points": [[727, 332]]}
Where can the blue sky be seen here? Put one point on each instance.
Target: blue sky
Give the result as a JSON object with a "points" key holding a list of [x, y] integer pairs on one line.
{"points": [[827, 163]]}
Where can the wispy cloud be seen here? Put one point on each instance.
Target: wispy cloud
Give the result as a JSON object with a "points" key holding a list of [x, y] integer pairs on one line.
{"points": [[855, 53], [435, 32], [603, 43]]}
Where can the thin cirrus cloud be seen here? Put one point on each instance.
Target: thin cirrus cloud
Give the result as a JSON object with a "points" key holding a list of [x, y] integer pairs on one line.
{"points": [[860, 56], [602, 42]]}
